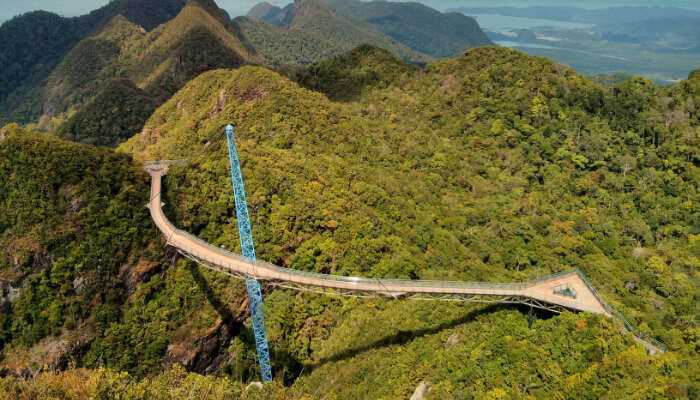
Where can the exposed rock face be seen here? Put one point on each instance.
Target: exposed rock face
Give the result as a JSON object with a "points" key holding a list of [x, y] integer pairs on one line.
{"points": [[206, 354], [255, 385], [8, 294], [131, 275], [420, 392], [52, 353], [221, 103]]}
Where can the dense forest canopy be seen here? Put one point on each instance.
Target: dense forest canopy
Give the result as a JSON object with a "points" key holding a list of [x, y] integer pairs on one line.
{"points": [[491, 166]]}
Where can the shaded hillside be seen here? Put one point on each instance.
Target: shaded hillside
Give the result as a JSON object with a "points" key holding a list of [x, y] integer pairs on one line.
{"points": [[84, 280], [31, 46], [115, 114], [346, 76], [417, 26], [312, 31]]}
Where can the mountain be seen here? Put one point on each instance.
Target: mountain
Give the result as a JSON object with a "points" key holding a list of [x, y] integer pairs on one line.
{"points": [[267, 12], [73, 221], [312, 31], [417, 26], [345, 77], [116, 113], [117, 76], [673, 33], [33, 44]]}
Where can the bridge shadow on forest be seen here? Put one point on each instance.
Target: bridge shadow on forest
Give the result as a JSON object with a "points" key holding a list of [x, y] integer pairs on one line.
{"points": [[403, 337], [291, 368], [222, 309]]}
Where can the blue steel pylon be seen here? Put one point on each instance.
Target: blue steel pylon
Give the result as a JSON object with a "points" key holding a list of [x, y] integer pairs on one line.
{"points": [[255, 301]]}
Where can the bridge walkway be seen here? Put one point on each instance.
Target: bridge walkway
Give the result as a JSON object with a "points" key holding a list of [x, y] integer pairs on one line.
{"points": [[568, 290]]}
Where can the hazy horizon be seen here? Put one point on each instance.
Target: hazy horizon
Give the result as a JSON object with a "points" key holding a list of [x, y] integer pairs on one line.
{"points": [[72, 8]]}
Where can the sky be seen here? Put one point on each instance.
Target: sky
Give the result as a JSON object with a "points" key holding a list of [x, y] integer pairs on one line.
{"points": [[69, 8]]}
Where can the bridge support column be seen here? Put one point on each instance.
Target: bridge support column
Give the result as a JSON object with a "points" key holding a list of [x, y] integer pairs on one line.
{"points": [[530, 317], [257, 315]]}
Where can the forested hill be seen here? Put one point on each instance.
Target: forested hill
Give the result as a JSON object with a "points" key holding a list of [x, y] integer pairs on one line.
{"points": [[414, 25], [105, 88], [31, 45], [311, 31], [267, 12], [418, 26]]}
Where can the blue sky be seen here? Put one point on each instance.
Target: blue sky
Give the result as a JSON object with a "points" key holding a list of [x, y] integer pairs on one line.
{"points": [[10, 8]]}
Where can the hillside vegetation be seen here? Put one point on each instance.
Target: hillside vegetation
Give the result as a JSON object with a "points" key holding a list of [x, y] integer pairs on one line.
{"points": [[71, 217], [119, 74], [492, 166], [84, 280], [31, 45]]}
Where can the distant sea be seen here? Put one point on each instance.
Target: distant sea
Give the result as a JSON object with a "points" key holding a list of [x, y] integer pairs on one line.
{"points": [[589, 4], [524, 46], [502, 23]]}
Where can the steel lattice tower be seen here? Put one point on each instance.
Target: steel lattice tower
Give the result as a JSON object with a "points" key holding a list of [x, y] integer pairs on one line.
{"points": [[255, 301]]}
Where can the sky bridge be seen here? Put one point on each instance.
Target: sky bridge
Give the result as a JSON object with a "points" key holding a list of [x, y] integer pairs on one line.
{"points": [[568, 290]]}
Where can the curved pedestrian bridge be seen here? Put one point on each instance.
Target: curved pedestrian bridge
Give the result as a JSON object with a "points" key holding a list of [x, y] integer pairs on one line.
{"points": [[564, 291]]}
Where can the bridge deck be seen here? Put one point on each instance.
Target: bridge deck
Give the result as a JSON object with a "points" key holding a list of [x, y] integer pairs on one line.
{"points": [[540, 293]]}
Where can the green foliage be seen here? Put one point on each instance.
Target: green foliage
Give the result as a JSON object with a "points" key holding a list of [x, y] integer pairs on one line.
{"points": [[344, 77], [71, 216], [494, 166], [493, 355], [117, 113], [109, 83], [608, 81], [104, 384], [33, 44], [417, 26]]}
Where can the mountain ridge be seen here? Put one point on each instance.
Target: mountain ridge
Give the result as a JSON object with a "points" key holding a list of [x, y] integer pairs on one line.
{"points": [[311, 31], [418, 26], [141, 68], [32, 45]]}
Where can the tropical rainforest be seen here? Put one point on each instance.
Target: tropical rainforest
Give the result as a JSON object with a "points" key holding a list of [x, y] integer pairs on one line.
{"points": [[489, 166]]}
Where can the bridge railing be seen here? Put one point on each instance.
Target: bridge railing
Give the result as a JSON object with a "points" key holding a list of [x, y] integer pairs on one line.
{"points": [[388, 283], [628, 325]]}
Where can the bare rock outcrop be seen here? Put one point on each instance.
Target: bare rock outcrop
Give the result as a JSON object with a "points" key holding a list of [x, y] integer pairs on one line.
{"points": [[421, 391]]}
